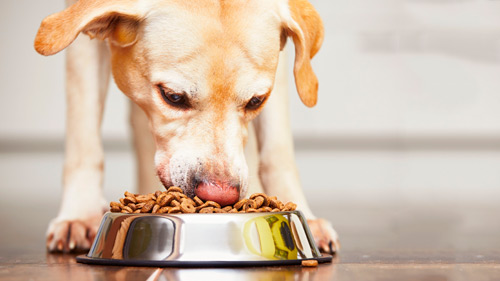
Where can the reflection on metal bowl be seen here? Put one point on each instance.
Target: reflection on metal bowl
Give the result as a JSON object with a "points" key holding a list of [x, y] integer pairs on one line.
{"points": [[185, 240]]}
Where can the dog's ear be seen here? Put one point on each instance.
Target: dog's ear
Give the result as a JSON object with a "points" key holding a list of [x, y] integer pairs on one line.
{"points": [[116, 20], [305, 27]]}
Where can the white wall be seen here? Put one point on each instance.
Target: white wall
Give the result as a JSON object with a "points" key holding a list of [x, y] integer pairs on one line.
{"points": [[407, 113], [32, 98], [406, 68]]}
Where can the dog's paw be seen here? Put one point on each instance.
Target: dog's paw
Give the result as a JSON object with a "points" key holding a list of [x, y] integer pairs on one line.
{"points": [[325, 236], [72, 235]]}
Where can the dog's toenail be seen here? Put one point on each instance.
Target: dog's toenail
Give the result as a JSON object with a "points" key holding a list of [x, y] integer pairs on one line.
{"points": [[72, 245], [330, 245], [59, 246]]}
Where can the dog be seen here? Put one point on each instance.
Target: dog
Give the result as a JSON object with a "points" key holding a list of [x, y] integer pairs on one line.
{"points": [[206, 86]]}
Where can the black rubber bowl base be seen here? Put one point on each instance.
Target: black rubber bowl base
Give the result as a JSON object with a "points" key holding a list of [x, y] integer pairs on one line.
{"points": [[172, 263]]}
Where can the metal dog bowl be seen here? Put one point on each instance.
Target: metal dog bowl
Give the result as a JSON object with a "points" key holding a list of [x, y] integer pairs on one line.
{"points": [[203, 240]]}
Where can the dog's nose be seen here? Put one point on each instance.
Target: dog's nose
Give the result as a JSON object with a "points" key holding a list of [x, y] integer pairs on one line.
{"points": [[220, 192]]}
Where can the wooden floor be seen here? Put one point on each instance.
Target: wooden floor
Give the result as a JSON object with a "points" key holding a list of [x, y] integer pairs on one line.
{"points": [[385, 243], [39, 266]]}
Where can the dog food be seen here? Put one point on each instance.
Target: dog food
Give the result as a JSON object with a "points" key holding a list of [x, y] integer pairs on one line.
{"points": [[310, 263], [174, 201]]}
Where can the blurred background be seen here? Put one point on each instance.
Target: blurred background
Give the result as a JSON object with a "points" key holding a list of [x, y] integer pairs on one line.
{"points": [[402, 150]]}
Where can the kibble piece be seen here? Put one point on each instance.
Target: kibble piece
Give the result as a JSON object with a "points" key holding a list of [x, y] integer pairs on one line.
{"points": [[175, 203], [174, 210], [311, 263], [128, 194], [160, 198], [164, 199], [163, 210], [276, 204], [227, 208], [273, 203], [259, 201], [143, 198], [289, 207], [258, 197], [190, 201], [156, 207], [249, 204], [157, 193], [212, 204], [207, 210], [201, 206], [175, 189], [177, 195], [114, 204], [186, 207], [266, 209], [240, 204], [128, 209], [128, 200], [251, 210], [198, 201], [148, 206]]}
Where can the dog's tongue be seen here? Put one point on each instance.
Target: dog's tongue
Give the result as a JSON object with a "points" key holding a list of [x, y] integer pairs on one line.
{"points": [[219, 192]]}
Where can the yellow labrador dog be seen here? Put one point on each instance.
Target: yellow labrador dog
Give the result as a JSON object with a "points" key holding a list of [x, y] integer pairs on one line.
{"points": [[197, 72]]}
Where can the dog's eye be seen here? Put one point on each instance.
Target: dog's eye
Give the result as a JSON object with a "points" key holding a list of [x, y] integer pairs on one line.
{"points": [[172, 98], [254, 103]]}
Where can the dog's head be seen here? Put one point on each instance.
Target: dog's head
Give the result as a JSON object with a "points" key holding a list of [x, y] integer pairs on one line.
{"points": [[201, 70]]}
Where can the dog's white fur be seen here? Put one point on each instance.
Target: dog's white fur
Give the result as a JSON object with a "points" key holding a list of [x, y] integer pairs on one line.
{"points": [[218, 54]]}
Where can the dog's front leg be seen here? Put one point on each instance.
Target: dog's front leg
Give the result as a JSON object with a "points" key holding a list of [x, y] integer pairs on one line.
{"points": [[144, 147], [278, 172], [88, 69]]}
